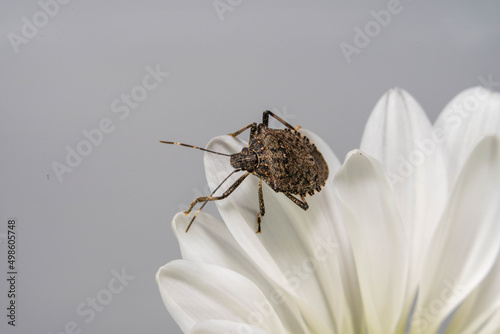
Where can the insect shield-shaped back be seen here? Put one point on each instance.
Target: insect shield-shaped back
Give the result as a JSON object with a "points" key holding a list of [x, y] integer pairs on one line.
{"points": [[288, 161], [283, 158]]}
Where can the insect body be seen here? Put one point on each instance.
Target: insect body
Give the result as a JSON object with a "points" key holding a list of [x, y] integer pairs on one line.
{"points": [[283, 158]]}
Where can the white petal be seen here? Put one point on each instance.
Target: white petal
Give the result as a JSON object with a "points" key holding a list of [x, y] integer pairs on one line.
{"points": [[399, 134], [226, 327], [209, 241], [480, 305], [472, 114], [194, 291], [239, 204], [465, 244], [352, 309], [493, 325], [396, 122], [378, 239], [288, 259]]}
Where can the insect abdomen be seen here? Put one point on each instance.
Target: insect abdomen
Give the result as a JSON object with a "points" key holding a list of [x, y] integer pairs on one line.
{"points": [[288, 162]]}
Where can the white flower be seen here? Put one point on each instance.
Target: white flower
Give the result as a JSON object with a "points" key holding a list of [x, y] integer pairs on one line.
{"points": [[404, 238]]}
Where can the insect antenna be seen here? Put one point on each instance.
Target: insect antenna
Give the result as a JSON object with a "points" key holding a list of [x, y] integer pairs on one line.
{"points": [[192, 146], [213, 192]]}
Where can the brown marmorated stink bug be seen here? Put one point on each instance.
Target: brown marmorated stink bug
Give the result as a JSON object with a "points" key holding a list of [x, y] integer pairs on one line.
{"points": [[284, 158]]}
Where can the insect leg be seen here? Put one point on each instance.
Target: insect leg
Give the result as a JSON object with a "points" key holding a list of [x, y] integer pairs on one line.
{"points": [[265, 119], [300, 202], [262, 209], [215, 198], [253, 128], [213, 192]]}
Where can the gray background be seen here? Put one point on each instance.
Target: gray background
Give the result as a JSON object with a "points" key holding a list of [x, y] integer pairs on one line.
{"points": [[113, 211]]}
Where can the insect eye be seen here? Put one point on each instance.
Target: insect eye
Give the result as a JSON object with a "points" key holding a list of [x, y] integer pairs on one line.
{"points": [[250, 169]]}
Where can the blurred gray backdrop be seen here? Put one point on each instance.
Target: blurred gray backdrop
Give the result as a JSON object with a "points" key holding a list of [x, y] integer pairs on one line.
{"points": [[89, 87]]}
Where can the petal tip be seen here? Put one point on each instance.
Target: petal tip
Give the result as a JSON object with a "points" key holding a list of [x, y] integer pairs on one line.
{"points": [[352, 158], [353, 153]]}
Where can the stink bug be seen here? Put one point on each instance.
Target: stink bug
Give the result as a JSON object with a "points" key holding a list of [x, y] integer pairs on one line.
{"points": [[284, 158]]}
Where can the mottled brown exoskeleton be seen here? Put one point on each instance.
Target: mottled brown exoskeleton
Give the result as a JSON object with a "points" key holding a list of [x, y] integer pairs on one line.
{"points": [[283, 158]]}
